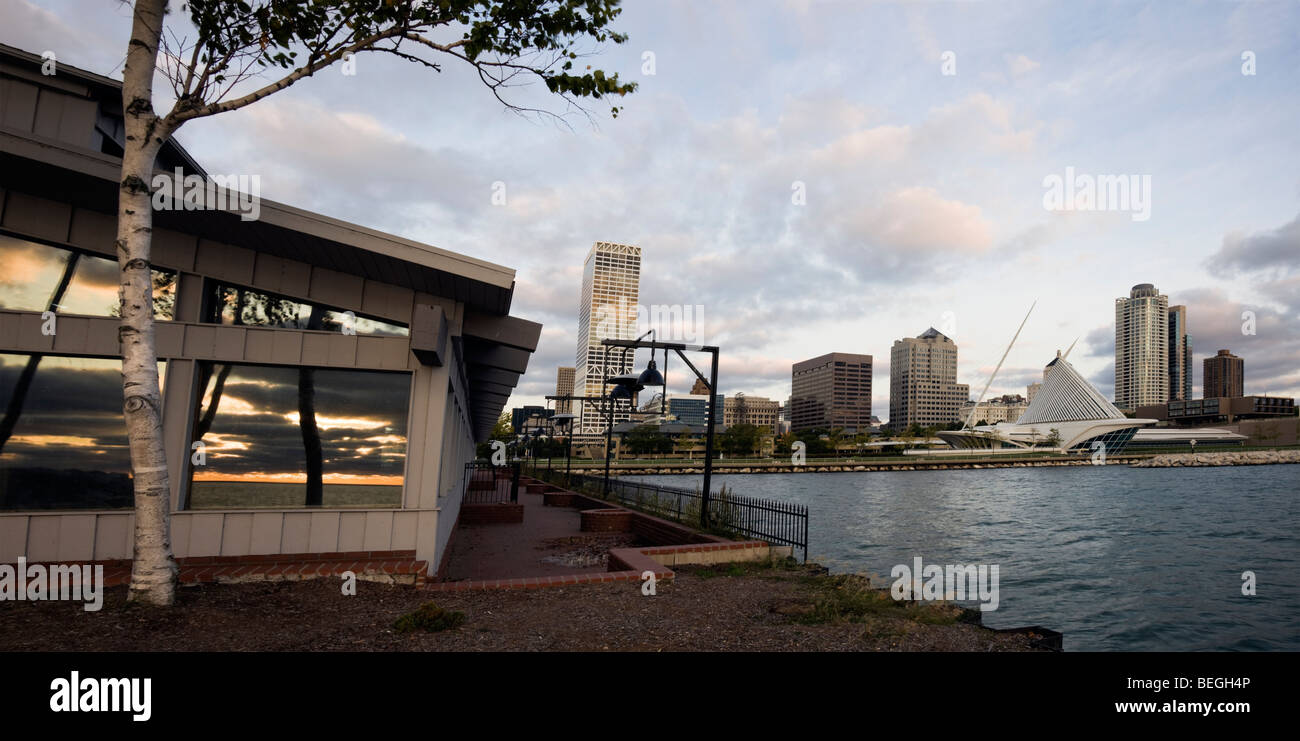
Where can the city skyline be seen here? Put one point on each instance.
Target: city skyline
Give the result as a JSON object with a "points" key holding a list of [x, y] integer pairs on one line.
{"points": [[958, 162]]}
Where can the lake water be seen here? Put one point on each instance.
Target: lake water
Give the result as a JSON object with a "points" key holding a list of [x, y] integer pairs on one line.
{"points": [[1116, 558]]}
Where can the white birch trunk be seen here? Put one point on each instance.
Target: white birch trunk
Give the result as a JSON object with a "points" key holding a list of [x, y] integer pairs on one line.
{"points": [[153, 570]]}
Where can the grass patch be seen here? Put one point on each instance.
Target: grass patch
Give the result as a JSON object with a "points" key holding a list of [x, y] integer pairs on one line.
{"points": [[429, 618], [849, 598]]}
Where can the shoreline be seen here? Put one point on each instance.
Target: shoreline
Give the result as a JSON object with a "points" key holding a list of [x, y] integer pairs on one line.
{"points": [[1134, 460]]}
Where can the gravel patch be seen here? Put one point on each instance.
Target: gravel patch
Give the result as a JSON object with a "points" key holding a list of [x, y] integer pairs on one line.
{"points": [[724, 608]]}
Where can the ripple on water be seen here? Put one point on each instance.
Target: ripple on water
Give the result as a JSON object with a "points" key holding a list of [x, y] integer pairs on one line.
{"points": [[1115, 558]]}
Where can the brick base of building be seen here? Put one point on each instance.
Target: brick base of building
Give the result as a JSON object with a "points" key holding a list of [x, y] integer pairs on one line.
{"points": [[386, 567]]}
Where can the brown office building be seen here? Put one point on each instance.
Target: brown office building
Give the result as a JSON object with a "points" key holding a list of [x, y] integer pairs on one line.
{"points": [[564, 387], [1223, 375], [833, 390]]}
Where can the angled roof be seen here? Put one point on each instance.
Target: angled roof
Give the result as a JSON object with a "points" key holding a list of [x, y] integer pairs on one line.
{"points": [[931, 333], [1067, 397]]}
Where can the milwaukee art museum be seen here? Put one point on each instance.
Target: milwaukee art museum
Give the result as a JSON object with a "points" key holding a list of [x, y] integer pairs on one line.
{"points": [[1068, 414]]}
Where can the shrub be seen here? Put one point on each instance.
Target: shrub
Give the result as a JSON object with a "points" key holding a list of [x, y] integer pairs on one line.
{"points": [[429, 618]]}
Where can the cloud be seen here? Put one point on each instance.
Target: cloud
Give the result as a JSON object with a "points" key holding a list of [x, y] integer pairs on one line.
{"points": [[1271, 250], [1020, 65]]}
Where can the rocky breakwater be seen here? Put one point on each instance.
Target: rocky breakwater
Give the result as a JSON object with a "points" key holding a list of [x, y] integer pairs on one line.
{"points": [[1243, 458]]}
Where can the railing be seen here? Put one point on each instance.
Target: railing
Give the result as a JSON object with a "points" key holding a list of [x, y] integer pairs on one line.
{"points": [[773, 521], [485, 483]]}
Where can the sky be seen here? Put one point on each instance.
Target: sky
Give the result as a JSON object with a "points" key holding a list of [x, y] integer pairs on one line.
{"points": [[815, 176]]}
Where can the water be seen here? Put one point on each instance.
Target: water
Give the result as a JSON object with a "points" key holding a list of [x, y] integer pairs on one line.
{"points": [[1117, 558]]}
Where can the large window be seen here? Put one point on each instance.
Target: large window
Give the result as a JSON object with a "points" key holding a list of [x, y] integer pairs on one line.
{"points": [[62, 438], [294, 437], [38, 277], [237, 305]]}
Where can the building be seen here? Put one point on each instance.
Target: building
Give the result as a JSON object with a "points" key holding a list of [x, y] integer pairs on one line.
{"points": [[611, 284], [529, 418], [1180, 355], [693, 409], [1142, 348], [830, 391], [1032, 390], [1227, 410], [1066, 414], [564, 387], [324, 384], [923, 388], [1006, 408], [752, 410], [1223, 375]]}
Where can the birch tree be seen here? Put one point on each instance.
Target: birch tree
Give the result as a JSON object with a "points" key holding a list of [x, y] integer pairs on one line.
{"points": [[246, 50]]}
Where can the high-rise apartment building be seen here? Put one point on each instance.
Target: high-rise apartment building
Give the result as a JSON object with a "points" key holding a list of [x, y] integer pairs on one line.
{"points": [[923, 386], [1180, 355], [564, 387], [1141, 348], [1223, 375], [829, 391], [611, 282]]}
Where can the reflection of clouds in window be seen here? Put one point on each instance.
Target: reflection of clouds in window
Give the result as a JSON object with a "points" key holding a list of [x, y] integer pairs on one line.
{"points": [[68, 446], [341, 423], [30, 274], [260, 455]]}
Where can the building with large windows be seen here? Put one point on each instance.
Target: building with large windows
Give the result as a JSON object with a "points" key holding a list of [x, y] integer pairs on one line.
{"points": [[923, 388], [611, 285], [323, 384], [831, 391], [1180, 355]]}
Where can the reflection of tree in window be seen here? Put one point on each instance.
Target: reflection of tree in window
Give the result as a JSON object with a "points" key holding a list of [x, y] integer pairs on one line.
{"points": [[348, 448], [65, 445]]}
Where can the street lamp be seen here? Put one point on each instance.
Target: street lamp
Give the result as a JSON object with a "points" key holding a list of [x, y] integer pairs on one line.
{"points": [[562, 422]]}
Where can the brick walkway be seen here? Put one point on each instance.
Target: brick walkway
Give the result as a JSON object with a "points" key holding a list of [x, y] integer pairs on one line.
{"points": [[506, 551]]}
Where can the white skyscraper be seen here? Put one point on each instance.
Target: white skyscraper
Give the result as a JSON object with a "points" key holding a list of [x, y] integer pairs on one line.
{"points": [[611, 284], [1141, 348]]}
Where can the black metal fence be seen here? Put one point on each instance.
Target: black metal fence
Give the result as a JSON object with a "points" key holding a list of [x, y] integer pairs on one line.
{"points": [[485, 483], [770, 520]]}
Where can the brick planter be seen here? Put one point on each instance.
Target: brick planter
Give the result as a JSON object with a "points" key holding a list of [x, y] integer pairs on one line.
{"points": [[558, 499], [606, 521]]}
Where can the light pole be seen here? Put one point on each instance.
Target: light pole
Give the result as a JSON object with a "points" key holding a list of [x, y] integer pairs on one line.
{"points": [[712, 382], [562, 421]]}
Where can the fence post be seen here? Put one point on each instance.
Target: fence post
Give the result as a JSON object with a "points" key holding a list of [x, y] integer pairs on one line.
{"points": [[514, 482]]}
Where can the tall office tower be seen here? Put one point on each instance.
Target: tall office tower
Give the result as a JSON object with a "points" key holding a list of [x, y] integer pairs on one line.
{"points": [[1223, 375], [1180, 355], [611, 284], [923, 386], [564, 387], [829, 391], [1141, 348]]}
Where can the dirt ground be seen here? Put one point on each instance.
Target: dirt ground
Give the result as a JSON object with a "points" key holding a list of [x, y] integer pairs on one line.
{"points": [[722, 608]]}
